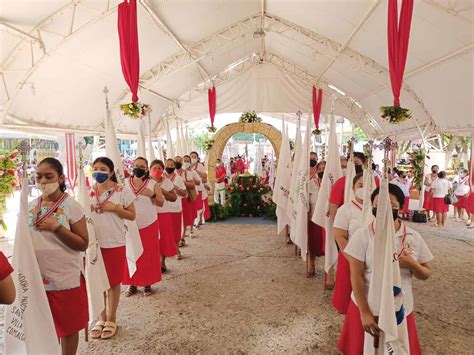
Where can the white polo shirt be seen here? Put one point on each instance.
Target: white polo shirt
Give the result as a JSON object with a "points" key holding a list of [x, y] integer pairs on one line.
{"points": [[177, 182], [361, 247], [144, 207], [349, 217], [165, 185]]}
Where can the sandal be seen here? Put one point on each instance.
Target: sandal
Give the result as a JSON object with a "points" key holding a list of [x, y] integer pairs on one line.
{"points": [[147, 291], [96, 331], [110, 328], [182, 243], [131, 290]]}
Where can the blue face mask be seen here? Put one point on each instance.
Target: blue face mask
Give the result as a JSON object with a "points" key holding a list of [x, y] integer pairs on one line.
{"points": [[100, 177]]}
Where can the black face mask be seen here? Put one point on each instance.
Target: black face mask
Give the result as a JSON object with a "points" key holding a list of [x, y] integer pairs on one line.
{"points": [[179, 165], [138, 172], [320, 174], [313, 163], [394, 213], [169, 170], [359, 169]]}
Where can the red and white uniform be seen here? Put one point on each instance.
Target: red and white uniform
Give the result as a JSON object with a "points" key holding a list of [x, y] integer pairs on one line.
{"points": [[403, 185], [337, 192], [5, 267], [176, 207], [428, 196], [349, 217], [219, 186], [205, 202], [199, 168], [186, 203], [461, 192], [361, 247], [149, 264], [439, 189], [165, 216], [61, 267], [316, 236], [110, 230]]}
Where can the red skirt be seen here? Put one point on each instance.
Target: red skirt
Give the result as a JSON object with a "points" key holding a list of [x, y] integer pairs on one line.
{"points": [[405, 206], [470, 203], [114, 260], [149, 264], [343, 287], [315, 239], [69, 309], [439, 206], [351, 341], [188, 215], [167, 238], [427, 201], [207, 211], [199, 203], [461, 201], [177, 230]]}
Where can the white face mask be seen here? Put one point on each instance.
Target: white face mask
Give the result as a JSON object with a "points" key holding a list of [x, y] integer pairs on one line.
{"points": [[360, 193], [47, 189], [186, 166], [194, 160]]}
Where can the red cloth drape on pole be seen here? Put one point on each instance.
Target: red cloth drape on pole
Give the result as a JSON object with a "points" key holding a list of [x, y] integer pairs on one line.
{"points": [[317, 102], [128, 36], [398, 38], [211, 97]]}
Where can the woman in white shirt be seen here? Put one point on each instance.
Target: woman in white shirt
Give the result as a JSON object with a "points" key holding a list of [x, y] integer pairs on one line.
{"points": [[186, 202], [461, 192], [147, 194], [165, 217], [199, 169], [111, 204], [59, 237], [198, 187], [440, 188], [413, 260], [315, 232], [176, 207], [349, 219]]}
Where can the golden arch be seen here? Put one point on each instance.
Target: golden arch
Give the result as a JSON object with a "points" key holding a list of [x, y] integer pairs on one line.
{"points": [[225, 133]]}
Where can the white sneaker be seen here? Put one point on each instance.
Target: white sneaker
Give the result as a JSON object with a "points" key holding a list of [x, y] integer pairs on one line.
{"points": [[468, 223]]}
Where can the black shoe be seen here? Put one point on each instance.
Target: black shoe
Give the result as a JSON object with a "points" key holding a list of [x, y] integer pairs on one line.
{"points": [[163, 269]]}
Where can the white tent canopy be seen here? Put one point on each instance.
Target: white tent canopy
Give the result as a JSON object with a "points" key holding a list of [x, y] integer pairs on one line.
{"points": [[56, 57]]}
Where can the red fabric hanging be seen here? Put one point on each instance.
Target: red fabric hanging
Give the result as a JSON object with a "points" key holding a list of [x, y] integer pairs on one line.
{"points": [[211, 97], [398, 38], [317, 102], [128, 36]]}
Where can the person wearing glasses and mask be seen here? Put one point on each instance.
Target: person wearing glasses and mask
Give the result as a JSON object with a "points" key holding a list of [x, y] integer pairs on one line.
{"points": [[147, 194], [414, 258]]}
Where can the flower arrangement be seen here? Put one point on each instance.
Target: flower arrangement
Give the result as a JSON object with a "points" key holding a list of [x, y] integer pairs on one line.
{"points": [[249, 117], [316, 132], [395, 114], [417, 160], [246, 196], [135, 110], [211, 129], [7, 179], [208, 143]]}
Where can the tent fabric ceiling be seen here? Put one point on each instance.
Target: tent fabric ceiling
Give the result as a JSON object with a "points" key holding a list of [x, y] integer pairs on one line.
{"points": [[56, 56]]}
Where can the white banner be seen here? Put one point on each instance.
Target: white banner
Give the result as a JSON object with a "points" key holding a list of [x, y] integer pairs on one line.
{"points": [[29, 326], [350, 174], [294, 172], [134, 247]]}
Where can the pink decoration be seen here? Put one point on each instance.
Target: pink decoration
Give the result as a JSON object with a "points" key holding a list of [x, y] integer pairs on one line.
{"points": [[211, 96], [317, 102]]}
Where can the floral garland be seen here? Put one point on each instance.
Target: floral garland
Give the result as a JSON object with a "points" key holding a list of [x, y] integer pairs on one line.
{"points": [[316, 132], [211, 129], [395, 114], [249, 117], [292, 144], [208, 144], [7, 180], [135, 110]]}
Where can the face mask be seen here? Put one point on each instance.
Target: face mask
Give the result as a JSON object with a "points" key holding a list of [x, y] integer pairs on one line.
{"points": [[359, 169], [394, 213], [179, 165], [360, 193], [169, 170], [100, 177], [47, 189], [139, 172], [194, 160], [156, 173], [186, 166], [320, 174], [312, 163]]}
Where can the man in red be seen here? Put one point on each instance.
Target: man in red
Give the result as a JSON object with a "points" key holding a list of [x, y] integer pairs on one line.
{"points": [[219, 187], [336, 199], [240, 166]]}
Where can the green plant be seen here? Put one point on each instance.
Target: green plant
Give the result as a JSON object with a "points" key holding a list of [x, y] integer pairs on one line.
{"points": [[395, 114], [218, 213], [7, 179], [316, 132], [135, 110], [360, 135], [245, 196], [417, 160], [249, 117]]}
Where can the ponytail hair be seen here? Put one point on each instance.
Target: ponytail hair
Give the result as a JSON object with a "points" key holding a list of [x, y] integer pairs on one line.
{"points": [[56, 165], [110, 164]]}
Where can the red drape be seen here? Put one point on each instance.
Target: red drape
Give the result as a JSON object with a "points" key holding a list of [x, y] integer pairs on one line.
{"points": [[128, 36], [398, 38], [211, 97], [317, 102]]}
